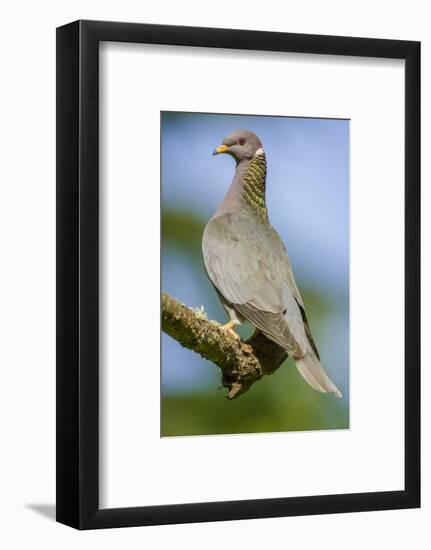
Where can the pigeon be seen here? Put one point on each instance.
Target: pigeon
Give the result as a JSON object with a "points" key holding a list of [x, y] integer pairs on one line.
{"points": [[248, 265]]}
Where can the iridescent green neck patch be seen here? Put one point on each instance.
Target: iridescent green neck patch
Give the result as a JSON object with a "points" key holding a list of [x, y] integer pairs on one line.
{"points": [[255, 184]]}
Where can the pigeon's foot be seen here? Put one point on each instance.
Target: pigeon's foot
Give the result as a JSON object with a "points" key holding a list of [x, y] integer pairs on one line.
{"points": [[228, 327]]}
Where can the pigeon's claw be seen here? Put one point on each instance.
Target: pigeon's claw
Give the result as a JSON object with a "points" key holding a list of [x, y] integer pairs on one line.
{"points": [[228, 327]]}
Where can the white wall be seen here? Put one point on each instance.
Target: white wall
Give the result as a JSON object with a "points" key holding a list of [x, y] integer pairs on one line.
{"points": [[27, 174]]}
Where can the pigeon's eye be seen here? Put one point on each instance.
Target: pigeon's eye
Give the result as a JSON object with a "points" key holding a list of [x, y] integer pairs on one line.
{"points": [[241, 141]]}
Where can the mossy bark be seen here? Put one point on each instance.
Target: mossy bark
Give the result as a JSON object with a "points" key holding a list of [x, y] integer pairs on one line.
{"points": [[242, 363]]}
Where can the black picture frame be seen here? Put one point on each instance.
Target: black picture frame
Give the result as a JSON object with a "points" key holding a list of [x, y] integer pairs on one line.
{"points": [[78, 274]]}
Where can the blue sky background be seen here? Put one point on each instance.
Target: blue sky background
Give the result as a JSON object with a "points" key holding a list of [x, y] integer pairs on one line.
{"points": [[308, 202]]}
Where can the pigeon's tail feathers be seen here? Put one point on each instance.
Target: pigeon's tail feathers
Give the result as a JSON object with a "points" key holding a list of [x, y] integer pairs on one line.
{"points": [[312, 371]]}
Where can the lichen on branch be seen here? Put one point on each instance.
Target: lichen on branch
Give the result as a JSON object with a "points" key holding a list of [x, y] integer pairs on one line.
{"points": [[242, 363]]}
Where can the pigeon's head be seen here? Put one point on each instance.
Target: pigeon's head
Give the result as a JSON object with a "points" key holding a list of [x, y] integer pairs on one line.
{"points": [[241, 145]]}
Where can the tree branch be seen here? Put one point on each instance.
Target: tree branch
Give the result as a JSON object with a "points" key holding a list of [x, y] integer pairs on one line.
{"points": [[241, 363]]}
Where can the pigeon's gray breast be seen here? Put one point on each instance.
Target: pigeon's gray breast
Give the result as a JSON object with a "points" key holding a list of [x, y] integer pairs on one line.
{"points": [[247, 263]]}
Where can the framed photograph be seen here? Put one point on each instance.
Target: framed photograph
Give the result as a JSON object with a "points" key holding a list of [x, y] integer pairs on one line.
{"points": [[238, 274]]}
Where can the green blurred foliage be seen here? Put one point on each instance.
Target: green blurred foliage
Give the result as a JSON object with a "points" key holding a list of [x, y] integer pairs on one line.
{"points": [[182, 230], [279, 402]]}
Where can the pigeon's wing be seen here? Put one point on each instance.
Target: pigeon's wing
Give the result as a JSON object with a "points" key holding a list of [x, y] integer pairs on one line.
{"points": [[248, 264], [296, 294]]}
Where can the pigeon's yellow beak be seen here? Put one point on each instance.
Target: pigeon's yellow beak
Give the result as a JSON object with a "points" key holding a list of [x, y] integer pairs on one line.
{"points": [[221, 149]]}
